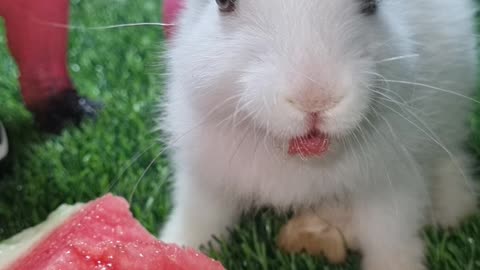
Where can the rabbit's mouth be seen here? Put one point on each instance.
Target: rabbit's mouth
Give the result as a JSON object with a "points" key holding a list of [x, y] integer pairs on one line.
{"points": [[315, 143]]}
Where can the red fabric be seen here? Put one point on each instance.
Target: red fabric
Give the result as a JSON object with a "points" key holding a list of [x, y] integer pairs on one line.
{"points": [[171, 9], [38, 47]]}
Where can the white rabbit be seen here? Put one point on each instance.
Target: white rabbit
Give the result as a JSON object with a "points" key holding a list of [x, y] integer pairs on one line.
{"points": [[356, 106]]}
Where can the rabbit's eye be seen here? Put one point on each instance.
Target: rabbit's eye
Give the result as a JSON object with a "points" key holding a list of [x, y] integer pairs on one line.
{"points": [[226, 5], [369, 7]]}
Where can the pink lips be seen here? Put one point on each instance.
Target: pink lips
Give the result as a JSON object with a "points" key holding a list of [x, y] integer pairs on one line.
{"points": [[312, 144]]}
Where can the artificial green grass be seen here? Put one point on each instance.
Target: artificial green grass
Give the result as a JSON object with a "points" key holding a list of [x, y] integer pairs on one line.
{"points": [[119, 67]]}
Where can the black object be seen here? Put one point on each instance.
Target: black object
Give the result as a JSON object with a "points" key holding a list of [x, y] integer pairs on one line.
{"points": [[369, 7], [60, 110]]}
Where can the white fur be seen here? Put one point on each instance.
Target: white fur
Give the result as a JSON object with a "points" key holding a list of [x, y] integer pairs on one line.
{"points": [[241, 85], [3, 142]]}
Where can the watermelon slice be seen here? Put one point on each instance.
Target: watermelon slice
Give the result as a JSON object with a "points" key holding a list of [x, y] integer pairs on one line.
{"points": [[100, 235]]}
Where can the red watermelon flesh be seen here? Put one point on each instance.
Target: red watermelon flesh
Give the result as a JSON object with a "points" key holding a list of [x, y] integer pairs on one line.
{"points": [[104, 235]]}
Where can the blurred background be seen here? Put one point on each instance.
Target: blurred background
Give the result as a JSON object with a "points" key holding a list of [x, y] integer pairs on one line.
{"points": [[118, 152], [119, 67]]}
